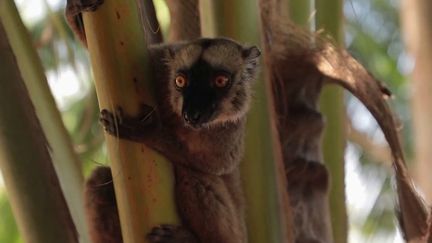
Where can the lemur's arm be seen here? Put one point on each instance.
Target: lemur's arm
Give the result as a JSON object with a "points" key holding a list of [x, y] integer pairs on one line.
{"points": [[101, 207], [147, 129]]}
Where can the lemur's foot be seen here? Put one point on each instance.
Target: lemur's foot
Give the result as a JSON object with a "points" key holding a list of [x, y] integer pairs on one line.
{"points": [[74, 9], [133, 128], [167, 233], [111, 121], [78, 6], [101, 206]]}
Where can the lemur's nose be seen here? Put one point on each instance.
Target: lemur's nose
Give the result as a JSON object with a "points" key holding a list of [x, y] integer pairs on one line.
{"points": [[192, 117]]}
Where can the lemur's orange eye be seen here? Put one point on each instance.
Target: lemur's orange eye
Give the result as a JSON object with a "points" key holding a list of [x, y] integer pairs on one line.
{"points": [[221, 81], [180, 81]]}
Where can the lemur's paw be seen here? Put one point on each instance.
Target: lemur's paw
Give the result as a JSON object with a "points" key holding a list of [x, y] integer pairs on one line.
{"points": [[134, 128], [111, 121], [167, 233]]}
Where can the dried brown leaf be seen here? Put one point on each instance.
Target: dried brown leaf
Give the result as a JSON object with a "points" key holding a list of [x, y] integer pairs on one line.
{"points": [[344, 70], [299, 63]]}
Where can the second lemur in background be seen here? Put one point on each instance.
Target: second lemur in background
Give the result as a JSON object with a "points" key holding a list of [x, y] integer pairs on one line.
{"points": [[203, 91]]}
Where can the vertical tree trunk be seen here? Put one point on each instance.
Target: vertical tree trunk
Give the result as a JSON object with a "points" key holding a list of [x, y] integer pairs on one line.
{"points": [[301, 13], [329, 18], [31, 181], [143, 180], [65, 160], [417, 30]]}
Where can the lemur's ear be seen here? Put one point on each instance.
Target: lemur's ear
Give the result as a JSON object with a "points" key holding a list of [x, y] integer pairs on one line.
{"points": [[171, 51], [251, 52], [250, 56]]}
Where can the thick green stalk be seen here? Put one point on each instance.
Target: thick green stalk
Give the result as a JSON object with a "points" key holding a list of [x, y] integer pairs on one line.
{"points": [[65, 160], [143, 180], [416, 20], [300, 12], [266, 215], [329, 17], [31, 181], [208, 18]]}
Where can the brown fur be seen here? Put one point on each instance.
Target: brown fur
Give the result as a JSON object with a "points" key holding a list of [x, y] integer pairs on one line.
{"points": [[101, 207]]}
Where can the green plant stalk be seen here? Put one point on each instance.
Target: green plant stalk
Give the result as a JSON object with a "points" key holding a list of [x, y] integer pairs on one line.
{"points": [[300, 12], [208, 18], [418, 37], [30, 178], [143, 180], [9, 231], [329, 17], [65, 160], [60, 28], [266, 221]]}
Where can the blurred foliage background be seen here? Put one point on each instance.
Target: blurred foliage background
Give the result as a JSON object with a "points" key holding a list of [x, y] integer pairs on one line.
{"points": [[372, 34]]}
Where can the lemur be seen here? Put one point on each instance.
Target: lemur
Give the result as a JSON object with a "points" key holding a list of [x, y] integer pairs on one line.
{"points": [[203, 91]]}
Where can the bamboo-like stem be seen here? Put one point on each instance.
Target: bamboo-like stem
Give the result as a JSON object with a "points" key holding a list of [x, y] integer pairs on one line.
{"points": [[31, 181], [329, 17], [65, 160], [143, 180], [61, 29], [262, 168], [301, 13], [416, 19], [208, 18]]}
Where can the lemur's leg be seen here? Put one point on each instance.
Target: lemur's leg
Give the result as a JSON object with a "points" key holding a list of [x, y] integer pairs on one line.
{"points": [[101, 207], [207, 209]]}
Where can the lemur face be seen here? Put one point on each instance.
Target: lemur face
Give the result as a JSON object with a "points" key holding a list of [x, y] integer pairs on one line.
{"points": [[211, 81]]}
